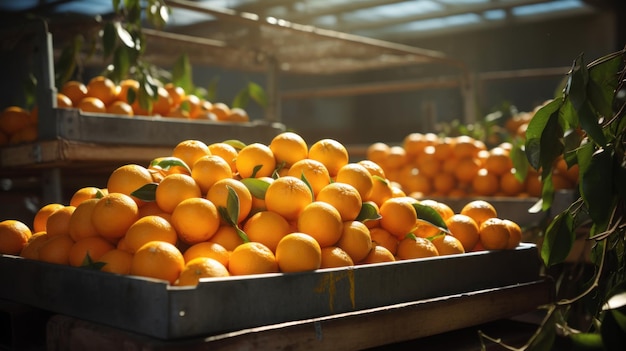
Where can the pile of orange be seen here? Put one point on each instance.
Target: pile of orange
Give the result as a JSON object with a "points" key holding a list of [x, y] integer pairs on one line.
{"points": [[218, 210], [425, 164]]}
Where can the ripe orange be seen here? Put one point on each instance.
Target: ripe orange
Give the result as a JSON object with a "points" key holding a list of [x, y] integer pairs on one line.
{"points": [[58, 222], [398, 216], [373, 168], [534, 186], [414, 143], [378, 254], [494, 234], [122, 93], [288, 196], [128, 178], [381, 191], [41, 217], [377, 152], [226, 152], [63, 101], [175, 188], [289, 148], [80, 224], [102, 88], [221, 110], [56, 249], [334, 256], [382, 237], [227, 236], [32, 246], [465, 229], [163, 104], [207, 249], [313, 171], [82, 194], [189, 151], [147, 229], [176, 93], [510, 185], [448, 245], [198, 268], [498, 161], [113, 215], [13, 236], [322, 221], [330, 153], [255, 160], [298, 252], [24, 135], [252, 258], [466, 169], [218, 194], [159, 260], [116, 261], [91, 105], [412, 247], [13, 119], [465, 147], [485, 183], [344, 197], [444, 148], [238, 114], [191, 104], [355, 240], [120, 108], [74, 90], [267, 227], [515, 234], [209, 169], [479, 211], [195, 220], [444, 183], [358, 176], [94, 246], [396, 158]]}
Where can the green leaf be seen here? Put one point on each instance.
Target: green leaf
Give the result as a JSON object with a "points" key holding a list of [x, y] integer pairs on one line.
{"points": [[211, 91], [544, 340], [257, 94], [146, 193], [587, 341], [576, 88], [535, 131], [590, 124], [520, 162], [89, 263], [428, 215], [613, 337], [257, 186], [124, 35], [596, 184], [368, 213], [558, 240], [169, 162], [237, 144], [241, 99], [182, 73], [122, 63], [255, 170], [109, 39], [232, 204]]}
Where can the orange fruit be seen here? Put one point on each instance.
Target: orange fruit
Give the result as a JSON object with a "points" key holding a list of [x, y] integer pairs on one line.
{"points": [[355, 240], [163, 103], [373, 168], [122, 92], [358, 176], [116, 261], [465, 229], [412, 247], [41, 217], [428, 163], [151, 208], [32, 246], [330, 153], [238, 114], [195, 220], [485, 183], [177, 94], [207, 249], [313, 171], [396, 158], [372, 223], [58, 222], [175, 188], [24, 135], [226, 152], [448, 245], [322, 221], [94, 246], [227, 237], [479, 211], [561, 181], [444, 183], [494, 234], [444, 148], [534, 186], [344, 197], [255, 160], [334, 256], [209, 169], [120, 108], [398, 216], [63, 101], [414, 143], [74, 90], [498, 161], [252, 258], [288, 196], [13, 119], [113, 215], [465, 147], [381, 191], [149, 228], [13, 236], [159, 260], [128, 178], [221, 110], [80, 224], [510, 185], [198, 268], [289, 148], [102, 88], [219, 193], [515, 234], [56, 249], [189, 151], [85, 193], [378, 254], [267, 227], [91, 105], [382, 237], [377, 152], [466, 169], [191, 104], [298, 252]]}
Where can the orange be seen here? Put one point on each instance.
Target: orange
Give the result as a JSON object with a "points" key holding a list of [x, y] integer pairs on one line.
{"points": [[448, 245], [377, 152], [227, 237], [56, 249], [441, 208], [163, 103], [466, 169], [465, 229], [191, 104], [255, 160], [322, 221], [534, 186], [378, 254], [465, 147], [198, 268], [122, 93], [159, 260], [58, 222], [494, 234], [151, 208], [94, 246], [120, 108], [41, 217], [398, 216], [175, 188], [209, 169], [221, 111], [74, 90], [128, 178], [355, 240], [24, 135], [444, 183], [288, 196], [113, 215], [226, 152], [147, 229], [195, 220], [238, 114], [381, 191], [358, 176], [444, 148], [116, 261], [479, 211], [515, 234], [334, 256], [14, 119], [252, 258], [561, 181], [85, 193], [382, 237], [485, 183], [289, 148], [219, 193], [267, 227], [32, 246], [207, 249], [415, 182], [373, 168], [428, 163], [412, 247], [369, 222], [63, 101], [189, 151], [344, 197], [298, 252], [396, 158], [102, 88], [80, 224], [313, 171], [510, 185], [177, 94], [91, 105], [13, 236], [413, 144], [330, 153], [498, 161]]}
